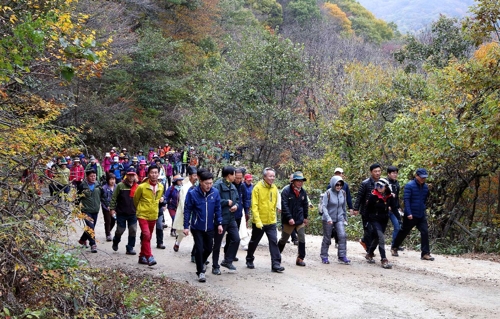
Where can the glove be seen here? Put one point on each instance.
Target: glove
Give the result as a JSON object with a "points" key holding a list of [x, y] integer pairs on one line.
{"points": [[259, 225]]}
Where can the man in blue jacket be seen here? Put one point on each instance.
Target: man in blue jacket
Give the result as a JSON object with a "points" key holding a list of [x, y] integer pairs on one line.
{"points": [[415, 195], [202, 212]]}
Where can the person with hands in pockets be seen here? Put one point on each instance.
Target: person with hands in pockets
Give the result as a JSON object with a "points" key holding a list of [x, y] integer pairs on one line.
{"points": [[334, 215], [202, 213]]}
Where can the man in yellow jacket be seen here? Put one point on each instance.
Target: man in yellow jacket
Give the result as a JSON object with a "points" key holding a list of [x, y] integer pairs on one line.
{"points": [[264, 200], [147, 197]]}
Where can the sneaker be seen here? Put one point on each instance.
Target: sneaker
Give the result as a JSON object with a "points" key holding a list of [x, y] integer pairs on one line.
{"points": [[394, 252], [216, 271], [176, 247], [344, 260], [296, 242], [362, 244], [235, 259], [115, 246], [93, 249], [250, 265], [300, 262], [245, 247], [201, 277], [193, 260], [325, 260], [173, 234], [160, 246], [427, 257], [109, 238], [228, 266], [83, 243], [151, 261], [278, 269], [401, 248], [130, 252], [369, 258], [143, 260], [386, 264]]}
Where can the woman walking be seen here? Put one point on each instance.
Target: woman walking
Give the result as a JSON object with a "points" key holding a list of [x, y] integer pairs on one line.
{"points": [[172, 199]]}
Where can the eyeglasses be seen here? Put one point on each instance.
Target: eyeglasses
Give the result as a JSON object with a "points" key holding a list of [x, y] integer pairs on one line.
{"points": [[338, 185]]}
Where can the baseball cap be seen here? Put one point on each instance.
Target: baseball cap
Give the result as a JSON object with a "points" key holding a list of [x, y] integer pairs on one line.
{"points": [[131, 171], [422, 172], [248, 177], [338, 169]]}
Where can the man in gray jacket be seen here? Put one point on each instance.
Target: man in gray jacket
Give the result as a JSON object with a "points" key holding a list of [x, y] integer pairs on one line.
{"points": [[334, 215]]}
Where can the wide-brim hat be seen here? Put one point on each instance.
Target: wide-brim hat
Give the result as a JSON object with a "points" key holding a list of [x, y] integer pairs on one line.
{"points": [[143, 162], [134, 159], [63, 161], [76, 159], [298, 176]]}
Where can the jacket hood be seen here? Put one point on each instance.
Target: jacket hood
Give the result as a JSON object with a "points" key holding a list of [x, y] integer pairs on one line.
{"points": [[334, 181]]}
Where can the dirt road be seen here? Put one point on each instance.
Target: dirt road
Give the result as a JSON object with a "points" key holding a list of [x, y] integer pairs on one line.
{"points": [[449, 287]]}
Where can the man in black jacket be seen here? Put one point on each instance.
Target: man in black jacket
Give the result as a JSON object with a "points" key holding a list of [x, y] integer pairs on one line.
{"points": [[294, 214], [364, 191], [229, 201]]}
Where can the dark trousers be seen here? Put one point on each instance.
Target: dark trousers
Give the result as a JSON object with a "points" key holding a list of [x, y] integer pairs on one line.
{"points": [[422, 227], [232, 243], [367, 231], [121, 225], [378, 237], [109, 222], [272, 236], [203, 242], [238, 223], [91, 224]]}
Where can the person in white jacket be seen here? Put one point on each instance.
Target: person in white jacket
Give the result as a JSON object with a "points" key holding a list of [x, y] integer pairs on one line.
{"points": [[179, 214], [334, 215]]}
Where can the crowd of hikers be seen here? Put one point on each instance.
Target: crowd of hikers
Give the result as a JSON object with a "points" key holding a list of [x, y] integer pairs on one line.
{"points": [[139, 190]]}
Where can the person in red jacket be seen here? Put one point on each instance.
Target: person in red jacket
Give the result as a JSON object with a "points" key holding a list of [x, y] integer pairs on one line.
{"points": [[76, 173]]}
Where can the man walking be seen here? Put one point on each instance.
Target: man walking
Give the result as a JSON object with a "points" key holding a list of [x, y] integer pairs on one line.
{"points": [[123, 209], [89, 196], [229, 199], [294, 214], [365, 189], [264, 200], [147, 198], [415, 196], [202, 213]]}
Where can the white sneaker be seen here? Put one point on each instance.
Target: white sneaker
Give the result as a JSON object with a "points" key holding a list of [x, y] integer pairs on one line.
{"points": [[201, 277], [244, 247]]}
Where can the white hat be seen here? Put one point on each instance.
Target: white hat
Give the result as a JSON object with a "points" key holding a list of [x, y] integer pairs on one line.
{"points": [[115, 159], [108, 155], [338, 169]]}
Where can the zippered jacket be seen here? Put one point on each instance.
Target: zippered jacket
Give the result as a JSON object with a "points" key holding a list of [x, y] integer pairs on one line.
{"points": [[202, 211], [227, 193], [146, 201]]}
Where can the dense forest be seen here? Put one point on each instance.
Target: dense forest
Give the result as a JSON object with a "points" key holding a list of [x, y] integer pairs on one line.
{"points": [[297, 84]]}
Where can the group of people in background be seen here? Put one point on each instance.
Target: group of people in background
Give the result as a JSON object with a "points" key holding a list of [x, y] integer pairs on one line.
{"points": [[136, 191]]}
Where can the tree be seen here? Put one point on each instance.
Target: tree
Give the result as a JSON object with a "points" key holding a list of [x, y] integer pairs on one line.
{"points": [[304, 11], [484, 25]]}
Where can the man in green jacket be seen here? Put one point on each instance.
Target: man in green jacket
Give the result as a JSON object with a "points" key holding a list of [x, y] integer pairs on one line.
{"points": [[89, 196]]}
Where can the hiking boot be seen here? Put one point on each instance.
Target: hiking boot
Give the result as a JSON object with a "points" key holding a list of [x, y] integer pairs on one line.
{"points": [[176, 247], [151, 261], [394, 252], [385, 264], [369, 258], [160, 246], [143, 260], [173, 233], [362, 243], [344, 260], [401, 248], [131, 252], [296, 242], [427, 257], [250, 265], [228, 266], [216, 271], [93, 249], [325, 260], [109, 238], [83, 243], [278, 269], [235, 259], [115, 246], [201, 277], [300, 262]]}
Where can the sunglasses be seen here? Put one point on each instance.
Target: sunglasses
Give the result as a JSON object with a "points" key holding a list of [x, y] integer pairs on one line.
{"points": [[338, 185], [380, 186]]}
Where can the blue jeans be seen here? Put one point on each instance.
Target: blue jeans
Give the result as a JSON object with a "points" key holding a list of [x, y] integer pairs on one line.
{"points": [[396, 225]]}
